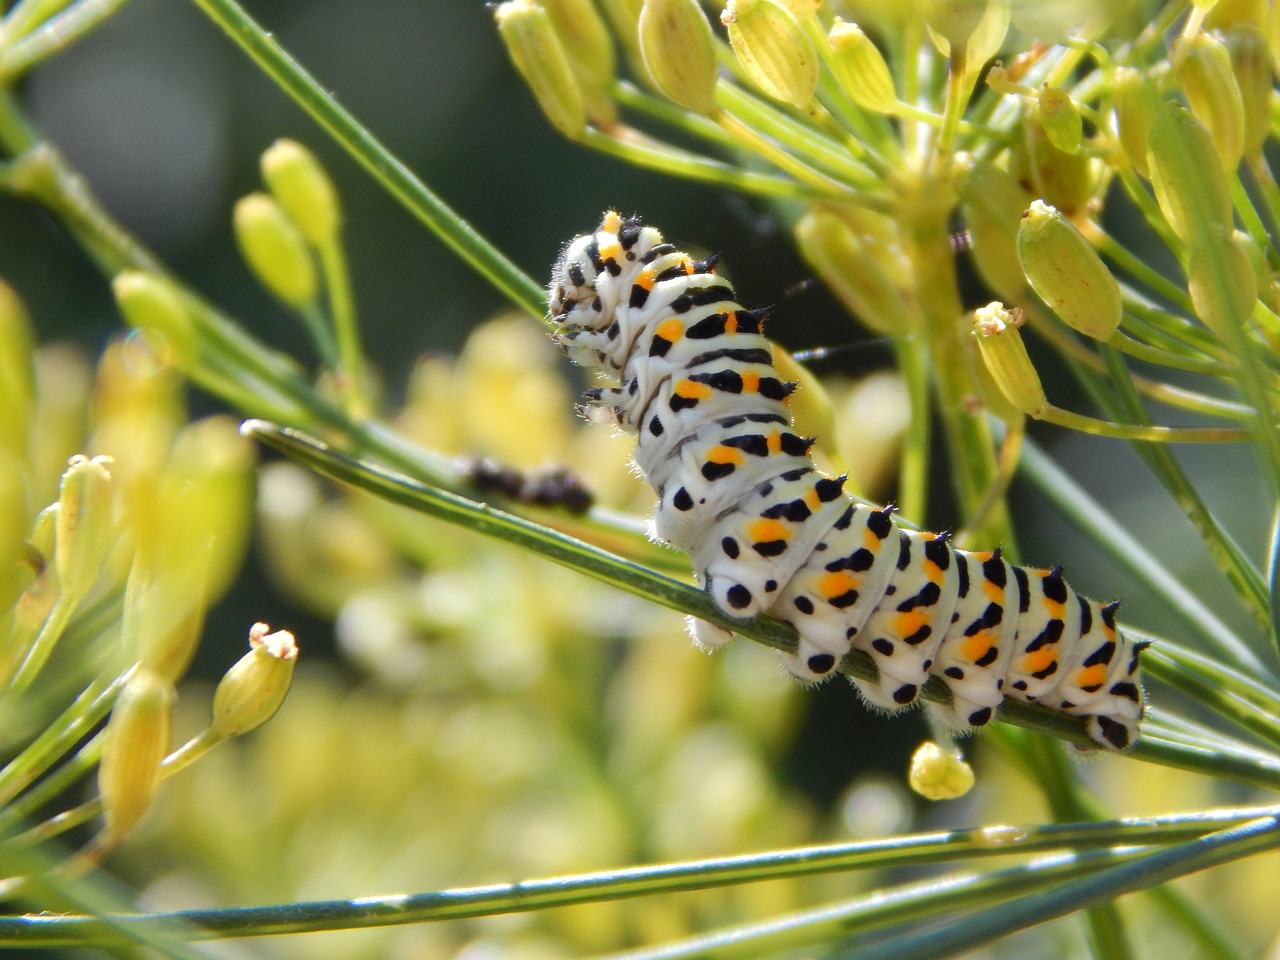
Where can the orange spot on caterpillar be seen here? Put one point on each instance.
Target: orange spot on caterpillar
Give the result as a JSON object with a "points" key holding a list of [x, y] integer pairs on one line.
{"points": [[671, 329], [909, 622], [731, 322], [1039, 660], [1093, 676], [723, 454], [836, 583], [765, 530], [692, 390], [750, 381], [978, 646]]}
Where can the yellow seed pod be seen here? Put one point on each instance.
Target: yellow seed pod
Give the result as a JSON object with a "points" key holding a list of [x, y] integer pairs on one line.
{"points": [[852, 271], [538, 55], [274, 250], [679, 53], [992, 203], [1190, 185], [303, 189], [585, 39], [811, 406], [1066, 272], [1005, 357], [250, 693], [1060, 178], [1251, 66], [1061, 119], [773, 48], [1221, 281], [148, 301], [17, 375], [137, 741], [861, 69], [1135, 101], [85, 526], [1205, 71], [939, 774]]}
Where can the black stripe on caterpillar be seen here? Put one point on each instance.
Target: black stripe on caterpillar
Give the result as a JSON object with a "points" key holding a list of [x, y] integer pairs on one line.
{"points": [[769, 533]]}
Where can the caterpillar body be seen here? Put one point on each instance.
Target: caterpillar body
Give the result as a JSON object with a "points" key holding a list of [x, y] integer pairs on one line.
{"points": [[768, 533]]}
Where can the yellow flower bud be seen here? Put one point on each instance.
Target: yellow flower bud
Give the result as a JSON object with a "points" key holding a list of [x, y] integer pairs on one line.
{"points": [[17, 375], [303, 189], [1066, 272], [853, 271], [1190, 185], [773, 49], [938, 774], [1205, 72], [679, 53], [137, 741], [1005, 357], [811, 407], [1221, 281], [1135, 101], [251, 692], [992, 203], [274, 250], [1251, 66], [540, 58], [1061, 119], [860, 67], [149, 302], [84, 525], [585, 40]]}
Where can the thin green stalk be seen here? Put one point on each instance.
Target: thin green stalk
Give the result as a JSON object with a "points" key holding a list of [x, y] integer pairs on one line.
{"points": [[913, 470], [53, 36], [342, 311], [53, 785]]}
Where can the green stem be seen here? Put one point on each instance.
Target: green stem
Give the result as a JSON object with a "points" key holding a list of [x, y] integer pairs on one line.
{"points": [[52, 36], [342, 310]]}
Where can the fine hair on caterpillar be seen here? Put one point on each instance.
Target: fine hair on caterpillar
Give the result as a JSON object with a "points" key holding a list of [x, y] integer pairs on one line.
{"points": [[693, 379]]}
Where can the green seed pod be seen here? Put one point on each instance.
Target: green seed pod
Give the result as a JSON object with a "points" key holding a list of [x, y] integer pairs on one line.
{"points": [[137, 741], [852, 271], [150, 302], [17, 375], [1190, 185], [275, 251], [1135, 101], [992, 203], [1204, 69], [1061, 119], [1221, 281], [85, 525], [679, 53], [535, 49], [1066, 272], [250, 693], [303, 189], [860, 67], [773, 49], [939, 774], [1005, 357], [1062, 179], [585, 41], [1251, 66]]}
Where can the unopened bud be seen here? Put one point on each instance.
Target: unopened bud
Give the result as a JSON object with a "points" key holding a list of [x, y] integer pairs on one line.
{"points": [[851, 271], [1062, 179], [992, 203], [137, 741], [1205, 72], [679, 53], [773, 49], [860, 67], [84, 524], [1066, 272], [1005, 357], [1221, 281], [274, 250], [303, 189], [1135, 100], [535, 50], [149, 302], [585, 40], [1251, 66], [251, 692], [939, 774], [1190, 185], [1061, 119]]}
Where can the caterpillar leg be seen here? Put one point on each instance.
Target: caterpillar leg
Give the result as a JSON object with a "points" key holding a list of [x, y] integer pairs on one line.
{"points": [[707, 636]]}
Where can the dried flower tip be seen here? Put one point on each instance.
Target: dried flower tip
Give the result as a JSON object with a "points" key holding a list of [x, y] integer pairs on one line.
{"points": [[1005, 357], [1066, 272], [251, 692], [1221, 281], [274, 250], [84, 524], [536, 51], [861, 69], [1251, 66], [773, 48], [137, 741], [1061, 119], [852, 271], [1190, 185], [679, 53], [148, 301], [1205, 71], [992, 203], [939, 774], [1135, 101], [303, 189]]}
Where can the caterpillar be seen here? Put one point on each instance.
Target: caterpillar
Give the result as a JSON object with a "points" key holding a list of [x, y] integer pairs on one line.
{"points": [[692, 377]]}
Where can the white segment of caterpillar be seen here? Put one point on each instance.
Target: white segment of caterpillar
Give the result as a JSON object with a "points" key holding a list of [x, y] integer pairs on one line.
{"points": [[769, 533]]}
